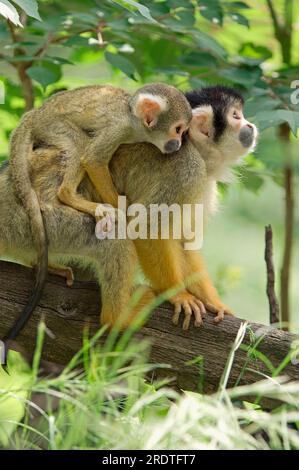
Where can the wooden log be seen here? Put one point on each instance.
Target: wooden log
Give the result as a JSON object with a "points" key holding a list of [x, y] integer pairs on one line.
{"points": [[67, 310]]}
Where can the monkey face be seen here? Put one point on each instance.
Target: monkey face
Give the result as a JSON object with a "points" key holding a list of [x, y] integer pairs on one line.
{"points": [[240, 134], [224, 132], [171, 139], [164, 114]]}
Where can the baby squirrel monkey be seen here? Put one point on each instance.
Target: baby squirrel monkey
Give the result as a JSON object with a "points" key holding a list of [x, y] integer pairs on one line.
{"points": [[88, 124]]}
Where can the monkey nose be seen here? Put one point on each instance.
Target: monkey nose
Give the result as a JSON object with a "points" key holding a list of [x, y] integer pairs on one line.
{"points": [[246, 135], [172, 146]]}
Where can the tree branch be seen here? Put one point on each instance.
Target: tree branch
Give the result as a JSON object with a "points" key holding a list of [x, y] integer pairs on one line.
{"points": [[56, 40], [288, 14], [275, 20], [273, 303], [68, 310], [283, 31], [284, 34], [21, 67], [289, 229]]}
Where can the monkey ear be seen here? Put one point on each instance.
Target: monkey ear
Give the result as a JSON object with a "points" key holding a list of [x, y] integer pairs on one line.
{"points": [[202, 120], [148, 107]]}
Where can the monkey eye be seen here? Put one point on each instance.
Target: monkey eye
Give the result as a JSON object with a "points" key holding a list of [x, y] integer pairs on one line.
{"points": [[236, 115], [178, 129]]}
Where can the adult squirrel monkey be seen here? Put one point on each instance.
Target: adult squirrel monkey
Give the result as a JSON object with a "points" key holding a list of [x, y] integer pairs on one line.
{"points": [[219, 136]]}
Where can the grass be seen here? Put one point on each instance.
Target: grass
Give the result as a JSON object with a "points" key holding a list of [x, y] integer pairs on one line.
{"points": [[101, 400]]}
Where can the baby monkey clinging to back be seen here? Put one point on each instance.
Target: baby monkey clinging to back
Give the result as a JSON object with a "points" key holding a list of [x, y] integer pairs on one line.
{"points": [[88, 124]]}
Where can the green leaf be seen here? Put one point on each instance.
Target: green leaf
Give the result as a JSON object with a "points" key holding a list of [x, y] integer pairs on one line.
{"points": [[30, 7], [58, 60], [14, 391], [76, 41], [174, 24], [186, 16], [260, 103], [207, 43], [271, 155], [244, 76], [252, 181], [275, 118], [197, 82], [45, 74], [121, 63], [9, 12], [253, 54], [241, 19], [22, 58], [212, 11], [79, 18], [171, 71], [255, 51], [238, 5], [142, 9], [199, 59]]}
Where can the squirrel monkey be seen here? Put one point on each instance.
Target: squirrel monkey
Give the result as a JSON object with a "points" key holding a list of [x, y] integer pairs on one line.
{"points": [[88, 124], [187, 176], [219, 136]]}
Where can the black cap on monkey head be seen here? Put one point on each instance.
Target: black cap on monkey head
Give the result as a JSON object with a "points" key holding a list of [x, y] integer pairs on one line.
{"points": [[220, 98]]}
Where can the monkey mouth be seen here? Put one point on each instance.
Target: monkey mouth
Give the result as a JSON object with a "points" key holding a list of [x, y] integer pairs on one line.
{"points": [[172, 146]]}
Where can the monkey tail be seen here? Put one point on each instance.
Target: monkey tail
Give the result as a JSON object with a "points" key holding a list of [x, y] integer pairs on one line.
{"points": [[21, 146]]}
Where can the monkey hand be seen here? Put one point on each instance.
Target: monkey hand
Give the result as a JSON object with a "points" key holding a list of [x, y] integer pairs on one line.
{"points": [[190, 305]]}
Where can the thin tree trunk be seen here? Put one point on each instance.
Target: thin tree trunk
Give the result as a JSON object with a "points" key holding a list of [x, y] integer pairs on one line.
{"points": [[273, 303]]}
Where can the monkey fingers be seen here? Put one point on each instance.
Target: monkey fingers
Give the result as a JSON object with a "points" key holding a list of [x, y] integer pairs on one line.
{"points": [[190, 306], [219, 312]]}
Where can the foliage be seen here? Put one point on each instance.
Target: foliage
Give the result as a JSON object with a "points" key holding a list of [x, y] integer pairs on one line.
{"points": [[9, 12], [137, 40], [109, 405]]}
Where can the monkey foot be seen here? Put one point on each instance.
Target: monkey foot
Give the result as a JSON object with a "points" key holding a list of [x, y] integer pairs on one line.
{"points": [[190, 305], [219, 311]]}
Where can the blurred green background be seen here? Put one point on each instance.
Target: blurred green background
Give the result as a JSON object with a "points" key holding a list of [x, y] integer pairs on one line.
{"points": [[190, 44]]}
